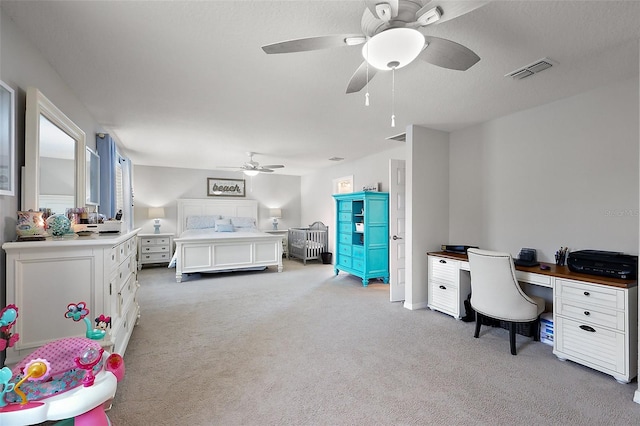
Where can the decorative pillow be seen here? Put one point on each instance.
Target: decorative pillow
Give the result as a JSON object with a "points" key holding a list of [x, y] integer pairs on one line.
{"points": [[220, 222], [243, 222], [201, 222], [224, 227]]}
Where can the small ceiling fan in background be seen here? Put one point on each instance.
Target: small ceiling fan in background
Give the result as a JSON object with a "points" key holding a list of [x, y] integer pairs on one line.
{"points": [[252, 168], [392, 39]]}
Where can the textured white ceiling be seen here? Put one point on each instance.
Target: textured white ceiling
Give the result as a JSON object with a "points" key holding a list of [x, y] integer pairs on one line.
{"points": [[186, 84]]}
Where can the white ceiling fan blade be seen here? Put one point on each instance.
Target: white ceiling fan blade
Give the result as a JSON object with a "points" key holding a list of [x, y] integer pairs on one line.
{"points": [[264, 170], [450, 9], [313, 43], [448, 54], [359, 78], [273, 166]]}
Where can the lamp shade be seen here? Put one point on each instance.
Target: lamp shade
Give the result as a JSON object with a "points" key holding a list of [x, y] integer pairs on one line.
{"points": [[275, 213], [393, 48], [156, 212]]}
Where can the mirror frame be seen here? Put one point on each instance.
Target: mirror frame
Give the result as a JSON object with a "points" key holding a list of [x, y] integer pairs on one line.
{"points": [[38, 104], [93, 178]]}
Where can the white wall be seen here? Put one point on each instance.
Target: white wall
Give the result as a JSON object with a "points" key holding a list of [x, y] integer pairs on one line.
{"points": [[427, 208], [162, 186], [562, 174], [316, 188]]}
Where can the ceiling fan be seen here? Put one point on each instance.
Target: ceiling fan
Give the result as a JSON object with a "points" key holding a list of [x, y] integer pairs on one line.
{"points": [[252, 168], [391, 38]]}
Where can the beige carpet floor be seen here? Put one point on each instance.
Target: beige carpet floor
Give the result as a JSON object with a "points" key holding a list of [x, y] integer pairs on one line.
{"points": [[306, 347]]}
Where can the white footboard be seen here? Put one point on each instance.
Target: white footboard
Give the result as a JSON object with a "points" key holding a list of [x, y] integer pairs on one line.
{"points": [[233, 254]]}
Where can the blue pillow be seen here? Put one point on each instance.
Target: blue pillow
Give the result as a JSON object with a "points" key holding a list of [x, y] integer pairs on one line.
{"points": [[224, 227]]}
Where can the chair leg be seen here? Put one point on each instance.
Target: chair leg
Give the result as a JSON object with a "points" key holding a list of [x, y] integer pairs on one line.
{"points": [[478, 323], [512, 337], [536, 330]]}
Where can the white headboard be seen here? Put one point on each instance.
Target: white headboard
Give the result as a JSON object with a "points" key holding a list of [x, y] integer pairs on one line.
{"points": [[213, 207]]}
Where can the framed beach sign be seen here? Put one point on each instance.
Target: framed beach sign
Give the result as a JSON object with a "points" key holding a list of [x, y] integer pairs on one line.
{"points": [[225, 187], [7, 140]]}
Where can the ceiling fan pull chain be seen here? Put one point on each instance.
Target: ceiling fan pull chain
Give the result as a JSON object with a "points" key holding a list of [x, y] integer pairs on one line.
{"points": [[393, 97]]}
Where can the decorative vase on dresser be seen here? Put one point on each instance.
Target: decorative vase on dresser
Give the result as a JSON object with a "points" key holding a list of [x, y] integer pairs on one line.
{"points": [[362, 239], [43, 277]]}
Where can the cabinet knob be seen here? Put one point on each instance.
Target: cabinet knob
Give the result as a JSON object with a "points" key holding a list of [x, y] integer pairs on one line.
{"points": [[586, 293], [587, 328], [443, 261], [587, 313], [443, 287]]}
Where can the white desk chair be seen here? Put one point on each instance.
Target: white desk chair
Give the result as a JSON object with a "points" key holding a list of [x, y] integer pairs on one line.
{"points": [[495, 293]]}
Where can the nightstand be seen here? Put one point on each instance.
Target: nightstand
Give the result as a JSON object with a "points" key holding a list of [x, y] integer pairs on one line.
{"points": [[154, 248], [285, 239]]}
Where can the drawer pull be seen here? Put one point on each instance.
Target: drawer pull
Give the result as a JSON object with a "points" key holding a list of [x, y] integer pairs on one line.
{"points": [[443, 261], [587, 313], [586, 293], [443, 287], [587, 328]]}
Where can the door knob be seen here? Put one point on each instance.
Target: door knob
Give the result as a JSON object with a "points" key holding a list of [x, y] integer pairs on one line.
{"points": [[395, 237]]}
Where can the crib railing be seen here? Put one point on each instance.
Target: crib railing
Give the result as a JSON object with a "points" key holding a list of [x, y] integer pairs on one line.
{"points": [[308, 243]]}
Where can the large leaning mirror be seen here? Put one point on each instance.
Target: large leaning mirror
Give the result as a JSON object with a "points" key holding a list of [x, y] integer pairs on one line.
{"points": [[55, 167]]}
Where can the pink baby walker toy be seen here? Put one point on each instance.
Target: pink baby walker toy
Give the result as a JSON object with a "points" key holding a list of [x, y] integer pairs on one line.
{"points": [[70, 379]]}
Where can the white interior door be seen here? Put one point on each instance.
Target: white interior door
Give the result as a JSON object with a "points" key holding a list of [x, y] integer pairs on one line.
{"points": [[396, 230]]}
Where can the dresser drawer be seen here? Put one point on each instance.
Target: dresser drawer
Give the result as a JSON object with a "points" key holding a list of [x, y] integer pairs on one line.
{"points": [[155, 241], [444, 297], [344, 238], [444, 270], [345, 249], [155, 257], [358, 251], [595, 316], [155, 249], [589, 295], [533, 278], [594, 345], [357, 264], [344, 217], [344, 261]]}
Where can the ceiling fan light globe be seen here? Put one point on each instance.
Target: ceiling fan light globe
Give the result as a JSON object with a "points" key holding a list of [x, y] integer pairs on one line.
{"points": [[395, 45], [250, 172]]}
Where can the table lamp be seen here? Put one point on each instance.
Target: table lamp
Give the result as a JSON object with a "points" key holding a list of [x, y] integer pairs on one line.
{"points": [[156, 213], [275, 214]]}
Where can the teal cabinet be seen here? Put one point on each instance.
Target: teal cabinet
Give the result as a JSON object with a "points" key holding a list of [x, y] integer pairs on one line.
{"points": [[362, 239]]}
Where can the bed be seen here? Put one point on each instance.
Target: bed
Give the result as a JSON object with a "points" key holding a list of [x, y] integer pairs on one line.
{"points": [[206, 244], [308, 243]]}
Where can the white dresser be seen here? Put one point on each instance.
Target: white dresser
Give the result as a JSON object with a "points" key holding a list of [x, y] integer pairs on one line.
{"points": [[43, 277], [154, 248], [595, 325], [448, 289]]}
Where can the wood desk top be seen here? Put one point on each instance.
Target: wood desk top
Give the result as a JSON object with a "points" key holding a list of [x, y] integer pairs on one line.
{"points": [[555, 271]]}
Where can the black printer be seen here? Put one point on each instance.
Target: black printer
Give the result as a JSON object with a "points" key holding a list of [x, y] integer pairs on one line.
{"points": [[605, 263]]}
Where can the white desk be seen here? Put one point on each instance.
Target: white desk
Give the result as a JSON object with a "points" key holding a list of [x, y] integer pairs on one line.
{"points": [[595, 318]]}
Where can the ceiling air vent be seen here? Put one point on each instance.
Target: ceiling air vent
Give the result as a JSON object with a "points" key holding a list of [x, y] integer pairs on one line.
{"points": [[402, 137], [531, 69]]}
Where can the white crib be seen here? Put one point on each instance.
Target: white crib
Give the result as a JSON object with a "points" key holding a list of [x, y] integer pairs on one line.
{"points": [[308, 243]]}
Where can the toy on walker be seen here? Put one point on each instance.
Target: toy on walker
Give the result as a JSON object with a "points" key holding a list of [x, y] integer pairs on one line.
{"points": [[70, 379]]}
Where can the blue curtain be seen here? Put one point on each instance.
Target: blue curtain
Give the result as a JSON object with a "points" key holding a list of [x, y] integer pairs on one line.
{"points": [[107, 151]]}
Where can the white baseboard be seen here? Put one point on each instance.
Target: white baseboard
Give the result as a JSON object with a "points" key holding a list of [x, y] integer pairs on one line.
{"points": [[415, 306]]}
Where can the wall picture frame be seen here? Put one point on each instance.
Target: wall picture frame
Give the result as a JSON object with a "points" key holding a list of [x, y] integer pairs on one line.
{"points": [[219, 187], [7, 139]]}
